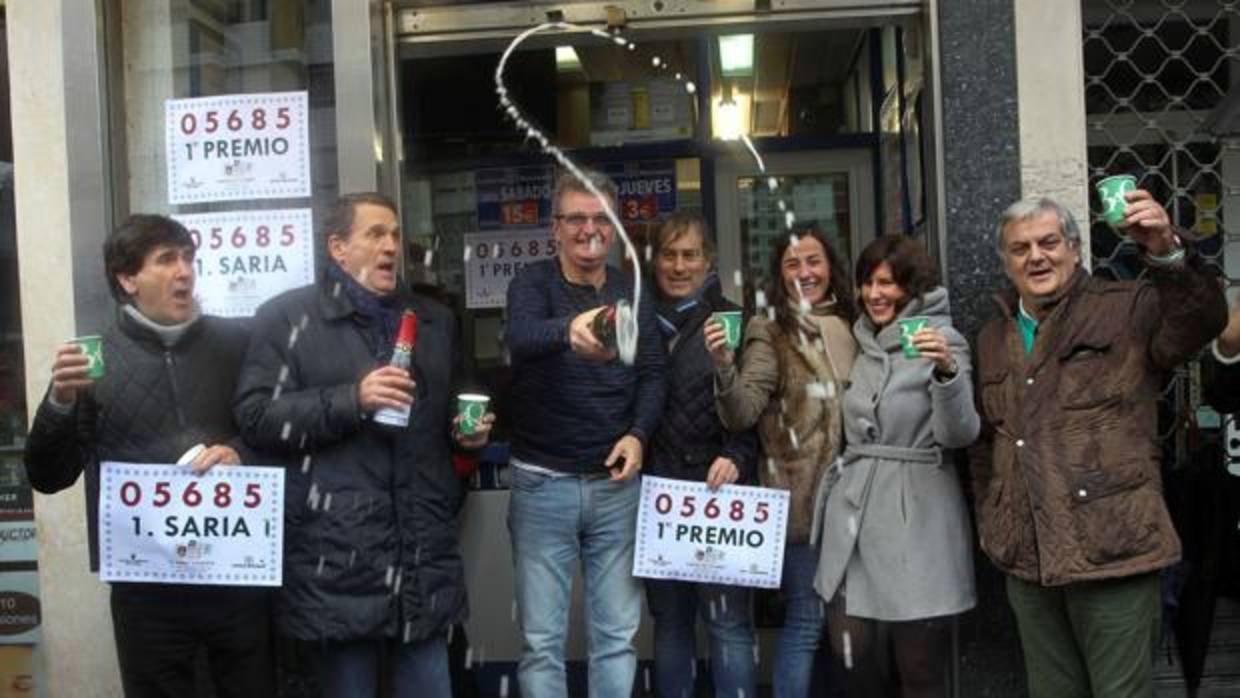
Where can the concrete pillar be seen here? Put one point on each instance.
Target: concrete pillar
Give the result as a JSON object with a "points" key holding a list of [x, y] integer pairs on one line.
{"points": [[77, 633], [1050, 89]]}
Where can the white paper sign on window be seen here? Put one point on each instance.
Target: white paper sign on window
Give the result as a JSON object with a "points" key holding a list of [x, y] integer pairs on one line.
{"points": [[493, 258], [232, 147], [246, 257]]}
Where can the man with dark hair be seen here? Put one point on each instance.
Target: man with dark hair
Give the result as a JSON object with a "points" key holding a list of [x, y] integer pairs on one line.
{"points": [[691, 443], [371, 565], [1069, 499], [582, 421], [167, 389]]}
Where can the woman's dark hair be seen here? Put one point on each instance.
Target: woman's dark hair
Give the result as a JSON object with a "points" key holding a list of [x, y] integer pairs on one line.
{"points": [[911, 267], [127, 247], [840, 286]]}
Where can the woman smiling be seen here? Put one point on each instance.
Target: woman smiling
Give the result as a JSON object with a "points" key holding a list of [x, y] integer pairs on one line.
{"points": [[896, 543]]}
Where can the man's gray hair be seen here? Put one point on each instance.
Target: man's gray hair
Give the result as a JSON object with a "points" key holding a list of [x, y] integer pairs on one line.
{"points": [[568, 182], [1026, 209]]}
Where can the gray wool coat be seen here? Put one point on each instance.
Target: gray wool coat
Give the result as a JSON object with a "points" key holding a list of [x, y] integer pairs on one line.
{"points": [[895, 533]]}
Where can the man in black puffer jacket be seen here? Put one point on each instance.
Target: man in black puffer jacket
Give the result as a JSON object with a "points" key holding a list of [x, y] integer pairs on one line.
{"points": [[692, 444], [167, 388], [371, 561]]}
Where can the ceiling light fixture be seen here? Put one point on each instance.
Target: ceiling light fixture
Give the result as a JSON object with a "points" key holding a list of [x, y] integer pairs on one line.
{"points": [[736, 55]]}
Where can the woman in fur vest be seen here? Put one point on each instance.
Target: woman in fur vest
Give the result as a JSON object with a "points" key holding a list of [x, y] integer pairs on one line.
{"points": [[797, 352]]}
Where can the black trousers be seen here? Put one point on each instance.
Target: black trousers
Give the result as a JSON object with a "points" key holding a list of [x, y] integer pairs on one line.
{"points": [[160, 630]]}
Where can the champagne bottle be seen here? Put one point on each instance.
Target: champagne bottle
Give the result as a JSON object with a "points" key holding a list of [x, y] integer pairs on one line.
{"points": [[604, 326], [402, 358]]}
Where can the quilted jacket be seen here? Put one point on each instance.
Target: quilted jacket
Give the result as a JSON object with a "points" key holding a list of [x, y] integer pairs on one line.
{"points": [[690, 435], [152, 404], [1072, 490]]}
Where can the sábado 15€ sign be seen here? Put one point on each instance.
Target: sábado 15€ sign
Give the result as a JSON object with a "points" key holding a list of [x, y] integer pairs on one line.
{"points": [[163, 523], [734, 535]]}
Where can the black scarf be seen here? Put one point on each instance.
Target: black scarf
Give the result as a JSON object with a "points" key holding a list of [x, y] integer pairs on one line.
{"points": [[673, 314], [382, 313]]}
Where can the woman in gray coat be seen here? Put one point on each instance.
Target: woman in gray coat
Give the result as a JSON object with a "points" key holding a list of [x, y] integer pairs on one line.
{"points": [[895, 537]]}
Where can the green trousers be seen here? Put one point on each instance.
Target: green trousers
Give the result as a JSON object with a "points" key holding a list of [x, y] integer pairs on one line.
{"points": [[1089, 639]]}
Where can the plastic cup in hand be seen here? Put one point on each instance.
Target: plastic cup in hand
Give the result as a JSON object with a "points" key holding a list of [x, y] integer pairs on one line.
{"points": [[92, 348], [730, 320], [1111, 193], [910, 326], [471, 407]]}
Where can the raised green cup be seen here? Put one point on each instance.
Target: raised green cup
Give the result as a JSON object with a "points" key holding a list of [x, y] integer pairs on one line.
{"points": [[730, 320], [92, 347], [471, 407], [1111, 193], [909, 326]]}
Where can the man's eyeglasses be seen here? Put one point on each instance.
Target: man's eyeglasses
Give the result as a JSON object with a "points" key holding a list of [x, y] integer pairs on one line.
{"points": [[579, 220]]}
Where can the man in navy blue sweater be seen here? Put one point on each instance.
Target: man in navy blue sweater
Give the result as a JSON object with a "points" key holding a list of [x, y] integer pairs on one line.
{"points": [[582, 419]]}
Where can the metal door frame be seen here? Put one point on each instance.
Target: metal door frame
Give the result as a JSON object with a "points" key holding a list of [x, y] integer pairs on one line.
{"points": [[857, 163]]}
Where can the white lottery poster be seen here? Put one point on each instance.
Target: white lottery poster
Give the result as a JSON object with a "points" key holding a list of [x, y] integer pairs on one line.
{"points": [[246, 257], [493, 258], [162, 523], [734, 535], [233, 147]]}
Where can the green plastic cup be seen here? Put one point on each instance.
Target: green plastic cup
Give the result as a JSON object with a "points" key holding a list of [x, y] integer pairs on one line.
{"points": [[909, 326], [730, 320], [471, 407], [92, 347], [1111, 193]]}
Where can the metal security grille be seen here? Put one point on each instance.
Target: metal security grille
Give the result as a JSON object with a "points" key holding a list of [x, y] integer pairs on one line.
{"points": [[1157, 75], [1162, 95]]}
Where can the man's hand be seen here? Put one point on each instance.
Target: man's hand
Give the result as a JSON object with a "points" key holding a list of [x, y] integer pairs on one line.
{"points": [[69, 370], [581, 337], [482, 432], [722, 472], [213, 456], [628, 449], [1229, 340], [385, 387], [717, 343], [1147, 223]]}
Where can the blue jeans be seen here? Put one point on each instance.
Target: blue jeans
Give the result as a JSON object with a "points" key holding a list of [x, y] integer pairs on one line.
{"points": [[554, 522], [419, 669], [726, 611], [804, 617]]}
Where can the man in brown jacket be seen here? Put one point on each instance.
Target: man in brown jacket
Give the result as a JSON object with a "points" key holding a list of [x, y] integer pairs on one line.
{"points": [[1070, 500]]}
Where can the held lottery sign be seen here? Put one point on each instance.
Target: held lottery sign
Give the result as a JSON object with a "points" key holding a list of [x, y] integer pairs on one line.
{"points": [[245, 257], [230, 147], [734, 535], [162, 523]]}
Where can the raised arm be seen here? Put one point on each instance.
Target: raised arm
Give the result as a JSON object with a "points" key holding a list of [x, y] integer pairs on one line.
{"points": [[1183, 309], [742, 394], [954, 417], [59, 446], [531, 329], [322, 414]]}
